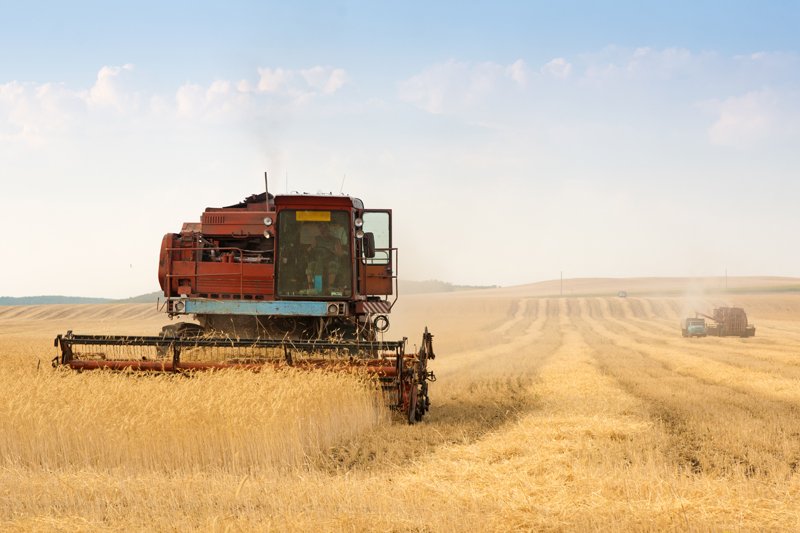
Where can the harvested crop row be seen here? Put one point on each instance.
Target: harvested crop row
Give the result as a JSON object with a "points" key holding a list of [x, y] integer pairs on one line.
{"points": [[717, 428]]}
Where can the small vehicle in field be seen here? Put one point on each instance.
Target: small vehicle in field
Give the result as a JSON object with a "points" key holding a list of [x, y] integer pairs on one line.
{"points": [[694, 327]]}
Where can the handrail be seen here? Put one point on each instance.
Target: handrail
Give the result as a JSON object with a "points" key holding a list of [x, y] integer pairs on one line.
{"points": [[393, 260]]}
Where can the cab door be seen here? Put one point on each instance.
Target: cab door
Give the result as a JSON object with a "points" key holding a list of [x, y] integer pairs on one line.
{"points": [[378, 271]]}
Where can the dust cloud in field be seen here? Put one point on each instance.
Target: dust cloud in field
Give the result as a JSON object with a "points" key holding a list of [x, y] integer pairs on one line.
{"points": [[694, 299]]}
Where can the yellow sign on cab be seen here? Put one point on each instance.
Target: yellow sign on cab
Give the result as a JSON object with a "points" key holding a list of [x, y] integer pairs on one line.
{"points": [[313, 216]]}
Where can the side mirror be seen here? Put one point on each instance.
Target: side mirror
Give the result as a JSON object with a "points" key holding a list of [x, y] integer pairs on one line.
{"points": [[368, 243]]}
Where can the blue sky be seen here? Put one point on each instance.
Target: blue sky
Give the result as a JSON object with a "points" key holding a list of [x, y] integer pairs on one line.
{"points": [[205, 40], [514, 141]]}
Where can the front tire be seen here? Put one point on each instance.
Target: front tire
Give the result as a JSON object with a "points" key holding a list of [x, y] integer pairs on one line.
{"points": [[412, 405]]}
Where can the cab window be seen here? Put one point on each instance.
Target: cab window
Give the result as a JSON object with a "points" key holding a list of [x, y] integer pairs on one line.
{"points": [[314, 251], [377, 223]]}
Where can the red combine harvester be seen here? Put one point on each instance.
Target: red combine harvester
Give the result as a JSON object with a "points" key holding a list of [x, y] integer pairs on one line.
{"points": [[291, 280], [728, 322]]}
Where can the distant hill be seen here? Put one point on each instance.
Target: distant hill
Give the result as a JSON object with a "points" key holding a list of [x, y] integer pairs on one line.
{"points": [[39, 300], [142, 298], [567, 287], [46, 300], [434, 285], [406, 287], [665, 286]]}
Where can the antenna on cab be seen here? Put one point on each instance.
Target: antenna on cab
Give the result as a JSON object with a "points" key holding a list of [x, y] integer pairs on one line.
{"points": [[266, 190]]}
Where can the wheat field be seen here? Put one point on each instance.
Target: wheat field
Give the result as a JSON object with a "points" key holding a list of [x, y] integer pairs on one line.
{"points": [[585, 412]]}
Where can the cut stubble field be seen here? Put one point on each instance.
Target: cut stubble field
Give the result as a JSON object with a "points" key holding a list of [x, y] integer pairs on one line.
{"points": [[574, 413]]}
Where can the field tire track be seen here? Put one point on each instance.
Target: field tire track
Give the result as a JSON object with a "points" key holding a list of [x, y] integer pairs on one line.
{"points": [[704, 417], [771, 359], [485, 391]]}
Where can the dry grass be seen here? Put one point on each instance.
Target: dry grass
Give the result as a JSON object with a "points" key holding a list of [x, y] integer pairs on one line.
{"points": [[178, 424], [549, 414]]}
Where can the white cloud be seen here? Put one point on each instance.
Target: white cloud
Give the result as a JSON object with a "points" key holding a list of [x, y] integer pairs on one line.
{"points": [[301, 83], [273, 80], [745, 120], [106, 90], [244, 86], [275, 87], [454, 85], [519, 72], [12, 105], [325, 79], [558, 68], [775, 60], [614, 64], [662, 63], [219, 87], [189, 99], [336, 80], [221, 99], [11, 92], [30, 112]]}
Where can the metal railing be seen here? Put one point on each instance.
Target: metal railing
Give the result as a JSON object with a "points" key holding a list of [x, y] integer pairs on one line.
{"points": [[392, 261], [238, 255]]}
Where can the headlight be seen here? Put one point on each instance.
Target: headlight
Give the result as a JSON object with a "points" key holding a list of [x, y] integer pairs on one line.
{"points": [[267, 221], [359, 222], [360, 234], [267, 234]]}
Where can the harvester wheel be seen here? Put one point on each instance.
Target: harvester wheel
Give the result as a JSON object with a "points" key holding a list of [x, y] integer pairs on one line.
{"points": [[412, 405], [424, 403], [181, 329]]}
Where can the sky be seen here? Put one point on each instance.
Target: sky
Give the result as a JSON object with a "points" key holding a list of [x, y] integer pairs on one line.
{"points": [[513, 141]]}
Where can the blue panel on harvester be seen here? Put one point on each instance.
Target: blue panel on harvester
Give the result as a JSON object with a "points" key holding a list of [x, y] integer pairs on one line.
{"points": [[238, 307]]}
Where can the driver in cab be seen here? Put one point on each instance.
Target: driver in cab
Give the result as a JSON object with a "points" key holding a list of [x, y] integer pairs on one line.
{"points": [[328, 253]]}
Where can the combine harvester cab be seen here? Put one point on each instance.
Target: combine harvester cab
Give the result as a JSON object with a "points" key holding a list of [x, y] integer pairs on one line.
{"points": [[297, 280]]}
